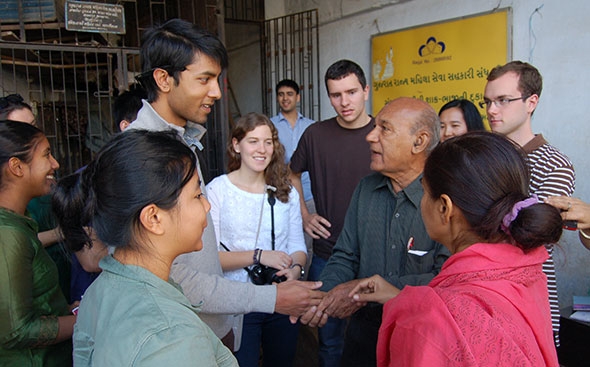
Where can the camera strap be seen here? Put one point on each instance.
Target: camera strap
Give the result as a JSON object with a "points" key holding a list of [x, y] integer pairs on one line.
{"points": [[271, 202]]}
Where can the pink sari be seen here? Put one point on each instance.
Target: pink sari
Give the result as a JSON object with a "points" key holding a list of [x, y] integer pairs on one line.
{"points": [[488, 307]]}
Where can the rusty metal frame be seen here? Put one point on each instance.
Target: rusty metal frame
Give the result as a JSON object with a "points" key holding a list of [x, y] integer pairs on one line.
{"points": [[290, 49]]}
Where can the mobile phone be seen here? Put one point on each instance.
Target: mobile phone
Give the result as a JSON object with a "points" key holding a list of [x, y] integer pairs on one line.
{"points": [[571, 225]]}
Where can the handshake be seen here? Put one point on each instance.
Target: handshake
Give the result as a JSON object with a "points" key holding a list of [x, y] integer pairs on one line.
{"points": [[303, 302]]}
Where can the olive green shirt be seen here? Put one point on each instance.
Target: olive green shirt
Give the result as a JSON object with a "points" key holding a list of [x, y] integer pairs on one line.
{"points": [[30, 298]]}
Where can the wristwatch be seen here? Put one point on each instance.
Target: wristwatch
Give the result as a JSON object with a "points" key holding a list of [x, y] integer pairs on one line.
{"points": [[300, 267]]}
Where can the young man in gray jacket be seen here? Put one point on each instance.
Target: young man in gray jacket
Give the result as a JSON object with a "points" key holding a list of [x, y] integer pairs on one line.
{"points": [[181, 66]]}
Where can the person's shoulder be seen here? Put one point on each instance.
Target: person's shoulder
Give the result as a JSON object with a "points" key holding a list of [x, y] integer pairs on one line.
{"points": [[551, 155], [322, 126], [306, 120], [217, 182], [17, 226], [275, 119]]}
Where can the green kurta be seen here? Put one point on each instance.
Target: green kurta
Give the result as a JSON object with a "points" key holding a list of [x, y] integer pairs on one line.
{"points": [[30, 298], [39, 209]]}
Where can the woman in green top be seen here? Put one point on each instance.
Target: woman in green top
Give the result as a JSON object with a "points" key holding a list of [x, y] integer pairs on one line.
{"points": [[35, 321], [141, 195]]}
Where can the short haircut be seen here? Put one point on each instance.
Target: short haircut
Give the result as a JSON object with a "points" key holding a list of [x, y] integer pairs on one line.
{"points": [[470, 113], [343, 68], [10, 103], [428, 120], [174, 45], [287, 83], [128, 103], [530, 80]]}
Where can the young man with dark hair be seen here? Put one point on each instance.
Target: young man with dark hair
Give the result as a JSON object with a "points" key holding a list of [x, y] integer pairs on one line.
{"points": [[511, 96], [126, 106], [182, 65], [336, 155], [291, 124]]}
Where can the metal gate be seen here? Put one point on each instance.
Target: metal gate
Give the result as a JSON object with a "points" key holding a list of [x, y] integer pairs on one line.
{"points": [[71, 90], [72, 78], [290, 49]]}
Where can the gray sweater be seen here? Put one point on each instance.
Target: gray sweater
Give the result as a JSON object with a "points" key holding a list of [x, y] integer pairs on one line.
{"points": [[199, 273]]}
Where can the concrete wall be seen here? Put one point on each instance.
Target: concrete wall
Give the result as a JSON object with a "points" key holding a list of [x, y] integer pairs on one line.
{"points": [[244, 74], [550, 34]]}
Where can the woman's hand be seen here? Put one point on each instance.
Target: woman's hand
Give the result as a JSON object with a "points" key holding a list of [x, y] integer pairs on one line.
{"points": [[276, 259], [572, 209], [74, 307], [373, 289], [292, 273]]}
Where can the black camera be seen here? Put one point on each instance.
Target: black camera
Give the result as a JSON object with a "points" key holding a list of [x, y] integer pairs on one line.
{"points": [[262, 274]]}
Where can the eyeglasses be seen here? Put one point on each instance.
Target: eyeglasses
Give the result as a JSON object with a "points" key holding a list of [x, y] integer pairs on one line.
{"points": [[502, 102], [11, 99]]}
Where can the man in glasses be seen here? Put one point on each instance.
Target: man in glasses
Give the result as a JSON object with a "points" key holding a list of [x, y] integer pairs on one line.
{"points": [[511, 96]]}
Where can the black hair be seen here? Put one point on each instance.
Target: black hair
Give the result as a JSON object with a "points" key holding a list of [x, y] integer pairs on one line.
{"points": [[17, 139], [287, 83], [485, 174], [343, 68], [134, 169], [174, 45], [470, 113], [128, 103], [11, 103]]}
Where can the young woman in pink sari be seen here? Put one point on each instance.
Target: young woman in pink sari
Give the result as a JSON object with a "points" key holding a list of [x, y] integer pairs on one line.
{"points": [[489, 305]]}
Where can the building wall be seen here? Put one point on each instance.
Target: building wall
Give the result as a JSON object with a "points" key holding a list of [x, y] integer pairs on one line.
{"points": [[244, 74], [545, 33]]}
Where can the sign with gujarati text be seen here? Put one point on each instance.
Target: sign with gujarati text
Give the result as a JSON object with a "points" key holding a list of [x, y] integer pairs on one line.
{"points": [[439, 62], [95, 17]]}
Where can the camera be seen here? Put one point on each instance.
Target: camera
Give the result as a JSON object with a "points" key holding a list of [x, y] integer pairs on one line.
{"points": [[262, 274]]}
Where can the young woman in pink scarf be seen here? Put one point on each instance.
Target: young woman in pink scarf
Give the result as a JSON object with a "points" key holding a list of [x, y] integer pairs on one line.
{"points": [[489, 305]]}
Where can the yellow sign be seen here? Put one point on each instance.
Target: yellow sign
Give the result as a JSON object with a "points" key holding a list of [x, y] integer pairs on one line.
{"points": [[439, 62]]}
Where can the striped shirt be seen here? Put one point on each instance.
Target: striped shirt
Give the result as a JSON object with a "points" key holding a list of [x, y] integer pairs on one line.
{"points": [[552, 174]]}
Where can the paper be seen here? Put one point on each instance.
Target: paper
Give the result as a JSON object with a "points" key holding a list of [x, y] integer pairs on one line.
{"points": [[417, 252], [581, 316]]}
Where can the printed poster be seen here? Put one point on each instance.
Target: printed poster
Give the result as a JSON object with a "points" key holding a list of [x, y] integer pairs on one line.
{"points": [[439, 62]]}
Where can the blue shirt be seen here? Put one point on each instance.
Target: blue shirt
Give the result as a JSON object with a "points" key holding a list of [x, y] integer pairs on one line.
{"points": [[130, 317], [289, 137]]}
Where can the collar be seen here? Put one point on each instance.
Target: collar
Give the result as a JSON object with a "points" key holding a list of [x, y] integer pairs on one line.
{"points": [[148, 118], [170, 289], [534, 143], [283, 118], [413, 191]]}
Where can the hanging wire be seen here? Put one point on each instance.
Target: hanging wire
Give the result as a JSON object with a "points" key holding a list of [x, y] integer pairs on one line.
{"points": [[532, 37]]}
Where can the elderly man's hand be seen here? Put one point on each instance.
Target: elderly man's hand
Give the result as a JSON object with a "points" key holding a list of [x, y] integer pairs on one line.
{"points": [[337, 303]]}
